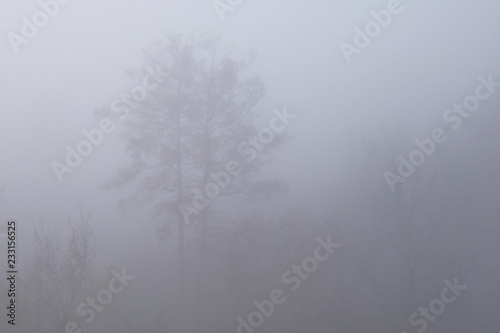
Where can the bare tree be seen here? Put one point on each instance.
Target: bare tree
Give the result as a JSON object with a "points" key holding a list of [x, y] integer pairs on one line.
{"points": [[58, 276]]}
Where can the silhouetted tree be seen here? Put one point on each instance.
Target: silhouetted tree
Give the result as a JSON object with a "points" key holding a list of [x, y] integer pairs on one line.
{"points": [[186, 141]]}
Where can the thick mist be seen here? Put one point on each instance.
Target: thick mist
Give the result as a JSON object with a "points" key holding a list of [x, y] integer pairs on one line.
{"points": [[249, 166]]}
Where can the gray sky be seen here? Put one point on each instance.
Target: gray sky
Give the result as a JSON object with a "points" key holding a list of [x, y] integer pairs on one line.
{"points": [[426, 59]]}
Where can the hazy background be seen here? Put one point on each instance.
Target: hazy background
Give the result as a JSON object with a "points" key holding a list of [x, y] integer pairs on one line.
{"points": [[428, 58]]}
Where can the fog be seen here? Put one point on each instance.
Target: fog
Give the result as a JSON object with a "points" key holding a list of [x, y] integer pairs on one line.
{"points": [[249, 166]]}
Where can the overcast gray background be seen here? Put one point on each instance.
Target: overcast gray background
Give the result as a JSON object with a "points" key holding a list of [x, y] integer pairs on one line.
{"points": [[428, 58]]}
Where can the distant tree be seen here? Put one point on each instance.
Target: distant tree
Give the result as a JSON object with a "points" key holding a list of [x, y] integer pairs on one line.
{"points": [[57, 279], [416, 226], [185, 136]]}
